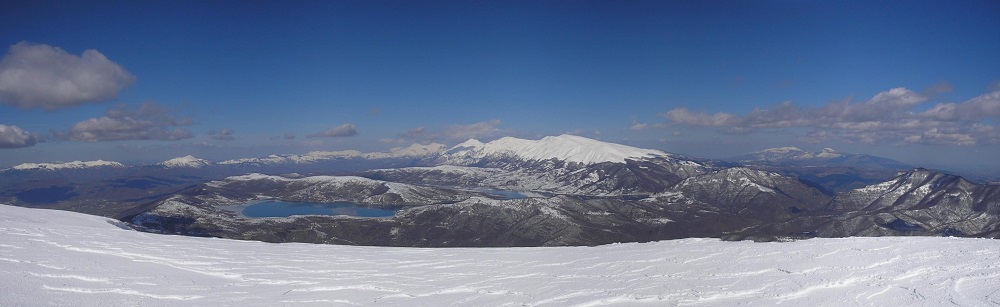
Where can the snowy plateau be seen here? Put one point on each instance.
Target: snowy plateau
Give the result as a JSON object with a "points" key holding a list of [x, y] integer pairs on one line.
{"points": [[60, 258]]}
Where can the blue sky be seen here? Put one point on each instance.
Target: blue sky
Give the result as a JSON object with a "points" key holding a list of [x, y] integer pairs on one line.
{"points": [[246, 78]]}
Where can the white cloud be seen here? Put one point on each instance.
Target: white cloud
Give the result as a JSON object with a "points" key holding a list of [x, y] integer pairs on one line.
{"points": [[42, 76], [148, 122], [338, 131], [14, 137], [886, 117]]}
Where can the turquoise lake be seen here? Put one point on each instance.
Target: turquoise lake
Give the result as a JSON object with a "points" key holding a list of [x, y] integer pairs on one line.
{"points": [[277, 208]]}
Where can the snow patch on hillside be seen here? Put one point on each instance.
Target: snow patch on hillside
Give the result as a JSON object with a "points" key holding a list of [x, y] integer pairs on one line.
{"points": [[63, 258]]}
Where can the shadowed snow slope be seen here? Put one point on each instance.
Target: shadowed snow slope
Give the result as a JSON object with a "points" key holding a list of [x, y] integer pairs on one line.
{"points": [[62, 258]]}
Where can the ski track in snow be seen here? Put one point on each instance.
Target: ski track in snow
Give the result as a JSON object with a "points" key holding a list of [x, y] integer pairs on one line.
{"points": [[62, 258]]}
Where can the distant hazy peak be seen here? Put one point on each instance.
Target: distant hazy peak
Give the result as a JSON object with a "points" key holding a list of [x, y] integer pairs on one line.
{"points": [[412, 151], [67, 165], [782, 149], [792, 153]]}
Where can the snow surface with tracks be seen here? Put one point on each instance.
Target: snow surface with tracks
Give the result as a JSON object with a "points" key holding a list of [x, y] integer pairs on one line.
{"points": [[62, 258]]}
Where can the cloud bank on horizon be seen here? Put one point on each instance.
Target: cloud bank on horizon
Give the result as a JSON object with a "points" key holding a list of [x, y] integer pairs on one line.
{"points": [[890, 117], [148, 122]]}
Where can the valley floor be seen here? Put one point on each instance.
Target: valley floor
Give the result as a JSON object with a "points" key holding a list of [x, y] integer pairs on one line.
{"points": [[63, 258]]}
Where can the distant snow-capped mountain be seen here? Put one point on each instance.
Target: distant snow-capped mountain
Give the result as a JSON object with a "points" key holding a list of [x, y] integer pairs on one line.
{"points": [[412, 151], [569, 148], [825, 157], [185, 161], [566, 148], [415, 151], [564, 164], [834, 170], [314, 156], [66, 165], [791, 153]]}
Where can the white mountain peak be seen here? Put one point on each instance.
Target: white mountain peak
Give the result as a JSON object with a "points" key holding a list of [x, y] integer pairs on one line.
{"points": [[828, 153], [186, 161], [469, 143], [566, 147]]}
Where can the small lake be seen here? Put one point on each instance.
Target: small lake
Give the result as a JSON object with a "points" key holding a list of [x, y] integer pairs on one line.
{"points": [[277, 208]]}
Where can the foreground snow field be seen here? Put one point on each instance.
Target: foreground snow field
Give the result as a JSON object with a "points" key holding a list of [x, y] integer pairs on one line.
{"points": [[63, 258]]}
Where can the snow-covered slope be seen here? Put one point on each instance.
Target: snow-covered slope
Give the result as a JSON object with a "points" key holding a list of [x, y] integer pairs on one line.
{"points": [[569, 148], [63, 258], [185, 161], [66, 165]]}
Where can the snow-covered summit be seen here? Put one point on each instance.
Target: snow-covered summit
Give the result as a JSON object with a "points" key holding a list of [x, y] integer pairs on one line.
{"points": [[565, 147], [185, 161], [66, 165]]}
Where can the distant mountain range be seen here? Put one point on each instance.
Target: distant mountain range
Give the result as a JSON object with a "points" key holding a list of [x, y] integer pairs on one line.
{"points": [[825, 157], [828, 168], [587, 192], [568, 190], [64, 165]]}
